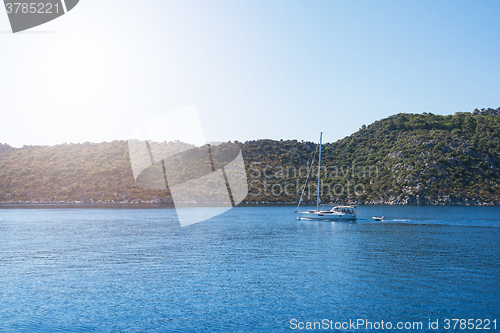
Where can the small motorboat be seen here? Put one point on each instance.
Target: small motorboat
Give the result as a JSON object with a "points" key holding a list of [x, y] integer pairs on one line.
{"points": [[378, 218]]}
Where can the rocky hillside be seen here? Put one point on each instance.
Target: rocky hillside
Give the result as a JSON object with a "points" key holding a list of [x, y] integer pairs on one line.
{"points": [[403, 159]]}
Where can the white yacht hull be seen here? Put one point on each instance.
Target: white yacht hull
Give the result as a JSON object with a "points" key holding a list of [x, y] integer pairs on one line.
{"points": [[326, 216]]}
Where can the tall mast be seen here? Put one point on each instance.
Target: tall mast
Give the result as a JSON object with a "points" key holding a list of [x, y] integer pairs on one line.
{"points": [[319, 168]]}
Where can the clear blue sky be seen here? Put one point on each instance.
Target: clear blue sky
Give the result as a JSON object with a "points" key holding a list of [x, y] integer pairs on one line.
{"points": [[254, 69]]}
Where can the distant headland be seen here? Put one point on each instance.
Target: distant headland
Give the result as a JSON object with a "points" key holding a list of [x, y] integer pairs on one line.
{"points": [[405, 159]]}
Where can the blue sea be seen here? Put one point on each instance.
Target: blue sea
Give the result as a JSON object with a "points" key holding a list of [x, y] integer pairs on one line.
{"points": [[252, 269]]}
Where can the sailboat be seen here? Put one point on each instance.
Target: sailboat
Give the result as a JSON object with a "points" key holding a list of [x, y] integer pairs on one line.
{"points": [[325, 212]]}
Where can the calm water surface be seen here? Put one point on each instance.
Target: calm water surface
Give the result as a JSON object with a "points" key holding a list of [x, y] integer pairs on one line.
{"points": [[248, 270]]}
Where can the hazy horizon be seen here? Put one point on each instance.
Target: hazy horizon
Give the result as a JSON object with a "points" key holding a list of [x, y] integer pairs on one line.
{"points": [[230, 140]]}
